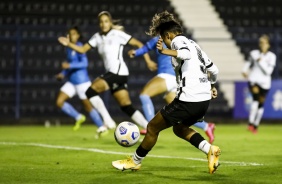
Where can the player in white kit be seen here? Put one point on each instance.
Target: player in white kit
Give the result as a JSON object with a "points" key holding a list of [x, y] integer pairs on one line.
{"points": [[191, 66], [258, 70], [110, 42]]}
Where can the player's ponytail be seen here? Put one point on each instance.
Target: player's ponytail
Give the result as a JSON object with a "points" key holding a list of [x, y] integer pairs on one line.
{"points": [[116, 23], [163, 22]]}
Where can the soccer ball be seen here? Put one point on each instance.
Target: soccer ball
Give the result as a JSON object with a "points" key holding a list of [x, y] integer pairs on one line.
{"points": [[127, 134]]}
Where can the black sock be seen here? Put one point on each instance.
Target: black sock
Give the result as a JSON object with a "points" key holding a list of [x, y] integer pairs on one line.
{"points": [[196, 139], [141, 152]]}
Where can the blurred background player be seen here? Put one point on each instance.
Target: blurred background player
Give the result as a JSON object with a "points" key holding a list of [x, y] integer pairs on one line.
{"points": [[164, 82], [258, 70], [110, 42], [75, 70]]}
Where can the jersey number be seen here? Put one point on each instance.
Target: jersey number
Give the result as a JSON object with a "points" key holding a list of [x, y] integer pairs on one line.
{"points": [[202, 60]]}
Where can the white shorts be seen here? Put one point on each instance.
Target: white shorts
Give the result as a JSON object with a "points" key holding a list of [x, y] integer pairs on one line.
{"points": [[80, 89], [170, 81]]}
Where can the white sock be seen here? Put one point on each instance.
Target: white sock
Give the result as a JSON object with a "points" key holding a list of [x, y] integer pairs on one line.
{"points": [[205, 146], [99, 105], [253, 111], [137, 159], [138, 118], [78, 117], [258, 116]]}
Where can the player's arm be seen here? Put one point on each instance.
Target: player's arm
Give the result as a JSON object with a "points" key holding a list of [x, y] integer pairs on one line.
{"points": [[183, 53], [136, 43], [82, 62], [211, 69], [247, 66], [81, 49], [150, 45]]}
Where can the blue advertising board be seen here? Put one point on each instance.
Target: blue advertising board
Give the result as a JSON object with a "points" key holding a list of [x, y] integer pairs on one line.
{"points": [[272, 106]]}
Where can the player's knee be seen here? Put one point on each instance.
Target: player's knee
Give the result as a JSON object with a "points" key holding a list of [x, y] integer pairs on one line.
{"points": [[128, 109], [90, 92], [176, 131]]}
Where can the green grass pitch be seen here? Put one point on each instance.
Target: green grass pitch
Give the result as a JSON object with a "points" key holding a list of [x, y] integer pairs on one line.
{"points": [[35, 154]]}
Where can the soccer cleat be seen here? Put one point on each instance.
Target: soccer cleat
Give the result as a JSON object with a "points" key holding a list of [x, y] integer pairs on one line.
{"points": [[210, 132], [79, 122], [126, 164], [143, 132], [213, 157], [251, 127], [101, 131]]}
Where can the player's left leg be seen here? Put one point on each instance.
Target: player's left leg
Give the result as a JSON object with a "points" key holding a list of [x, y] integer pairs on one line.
{"points": [[123, 99], [259, 114], [185, 132], [254, 89], [68, 91], [154, 87], [156, 125]]}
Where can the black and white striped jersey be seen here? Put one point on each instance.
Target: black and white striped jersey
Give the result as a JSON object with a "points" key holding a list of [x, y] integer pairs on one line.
{"points": [[110, 48], [260, 67], [191, 67]]}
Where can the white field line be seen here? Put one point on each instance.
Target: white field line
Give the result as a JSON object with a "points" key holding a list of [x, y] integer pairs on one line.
{"points": [[124, 153]]}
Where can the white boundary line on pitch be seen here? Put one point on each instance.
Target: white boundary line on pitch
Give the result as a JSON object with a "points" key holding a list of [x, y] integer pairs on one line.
{"points": [[123, 153]]}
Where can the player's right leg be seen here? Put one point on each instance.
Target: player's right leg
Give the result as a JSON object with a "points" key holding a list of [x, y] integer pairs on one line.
{"points": [[68, 91], [153, 88], [98, 86]]}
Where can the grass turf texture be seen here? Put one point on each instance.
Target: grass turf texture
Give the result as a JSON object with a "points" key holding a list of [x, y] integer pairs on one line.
{"points": [[84, 159]]}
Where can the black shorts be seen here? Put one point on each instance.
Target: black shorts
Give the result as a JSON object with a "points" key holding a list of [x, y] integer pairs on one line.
{"points": [[115, 82], [262, 92], [187, 113]]}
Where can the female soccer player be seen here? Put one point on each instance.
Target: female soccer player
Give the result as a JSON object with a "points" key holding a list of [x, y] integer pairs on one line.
{"points": [[164, 82], [75, 70], [110, 42], [191, 65], [260, 66]]}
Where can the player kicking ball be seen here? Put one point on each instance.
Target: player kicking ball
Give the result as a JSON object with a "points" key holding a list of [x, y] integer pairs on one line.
{"points": [[191, 66]]}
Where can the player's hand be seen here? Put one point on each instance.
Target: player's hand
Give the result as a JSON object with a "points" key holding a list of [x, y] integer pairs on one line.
{"points": [[213, 92], [160, 45], [245, 75], [60, 76], [64, 40], [65, 65], [152, 65], [131, 53]]}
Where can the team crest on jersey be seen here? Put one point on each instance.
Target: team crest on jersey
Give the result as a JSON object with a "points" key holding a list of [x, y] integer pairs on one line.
{"points": [[73, 53], [115, 85]]}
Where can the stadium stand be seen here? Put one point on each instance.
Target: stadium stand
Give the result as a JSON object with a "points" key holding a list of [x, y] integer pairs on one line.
{"points": [[31, 55]]}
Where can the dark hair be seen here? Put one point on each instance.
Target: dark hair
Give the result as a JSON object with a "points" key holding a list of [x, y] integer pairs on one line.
{"points": [[77, 30], [164, 22], [116, 23]]}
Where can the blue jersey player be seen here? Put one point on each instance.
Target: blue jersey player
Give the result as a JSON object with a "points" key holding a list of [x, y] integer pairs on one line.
{"points": [[75, 71], [164, 82]]}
